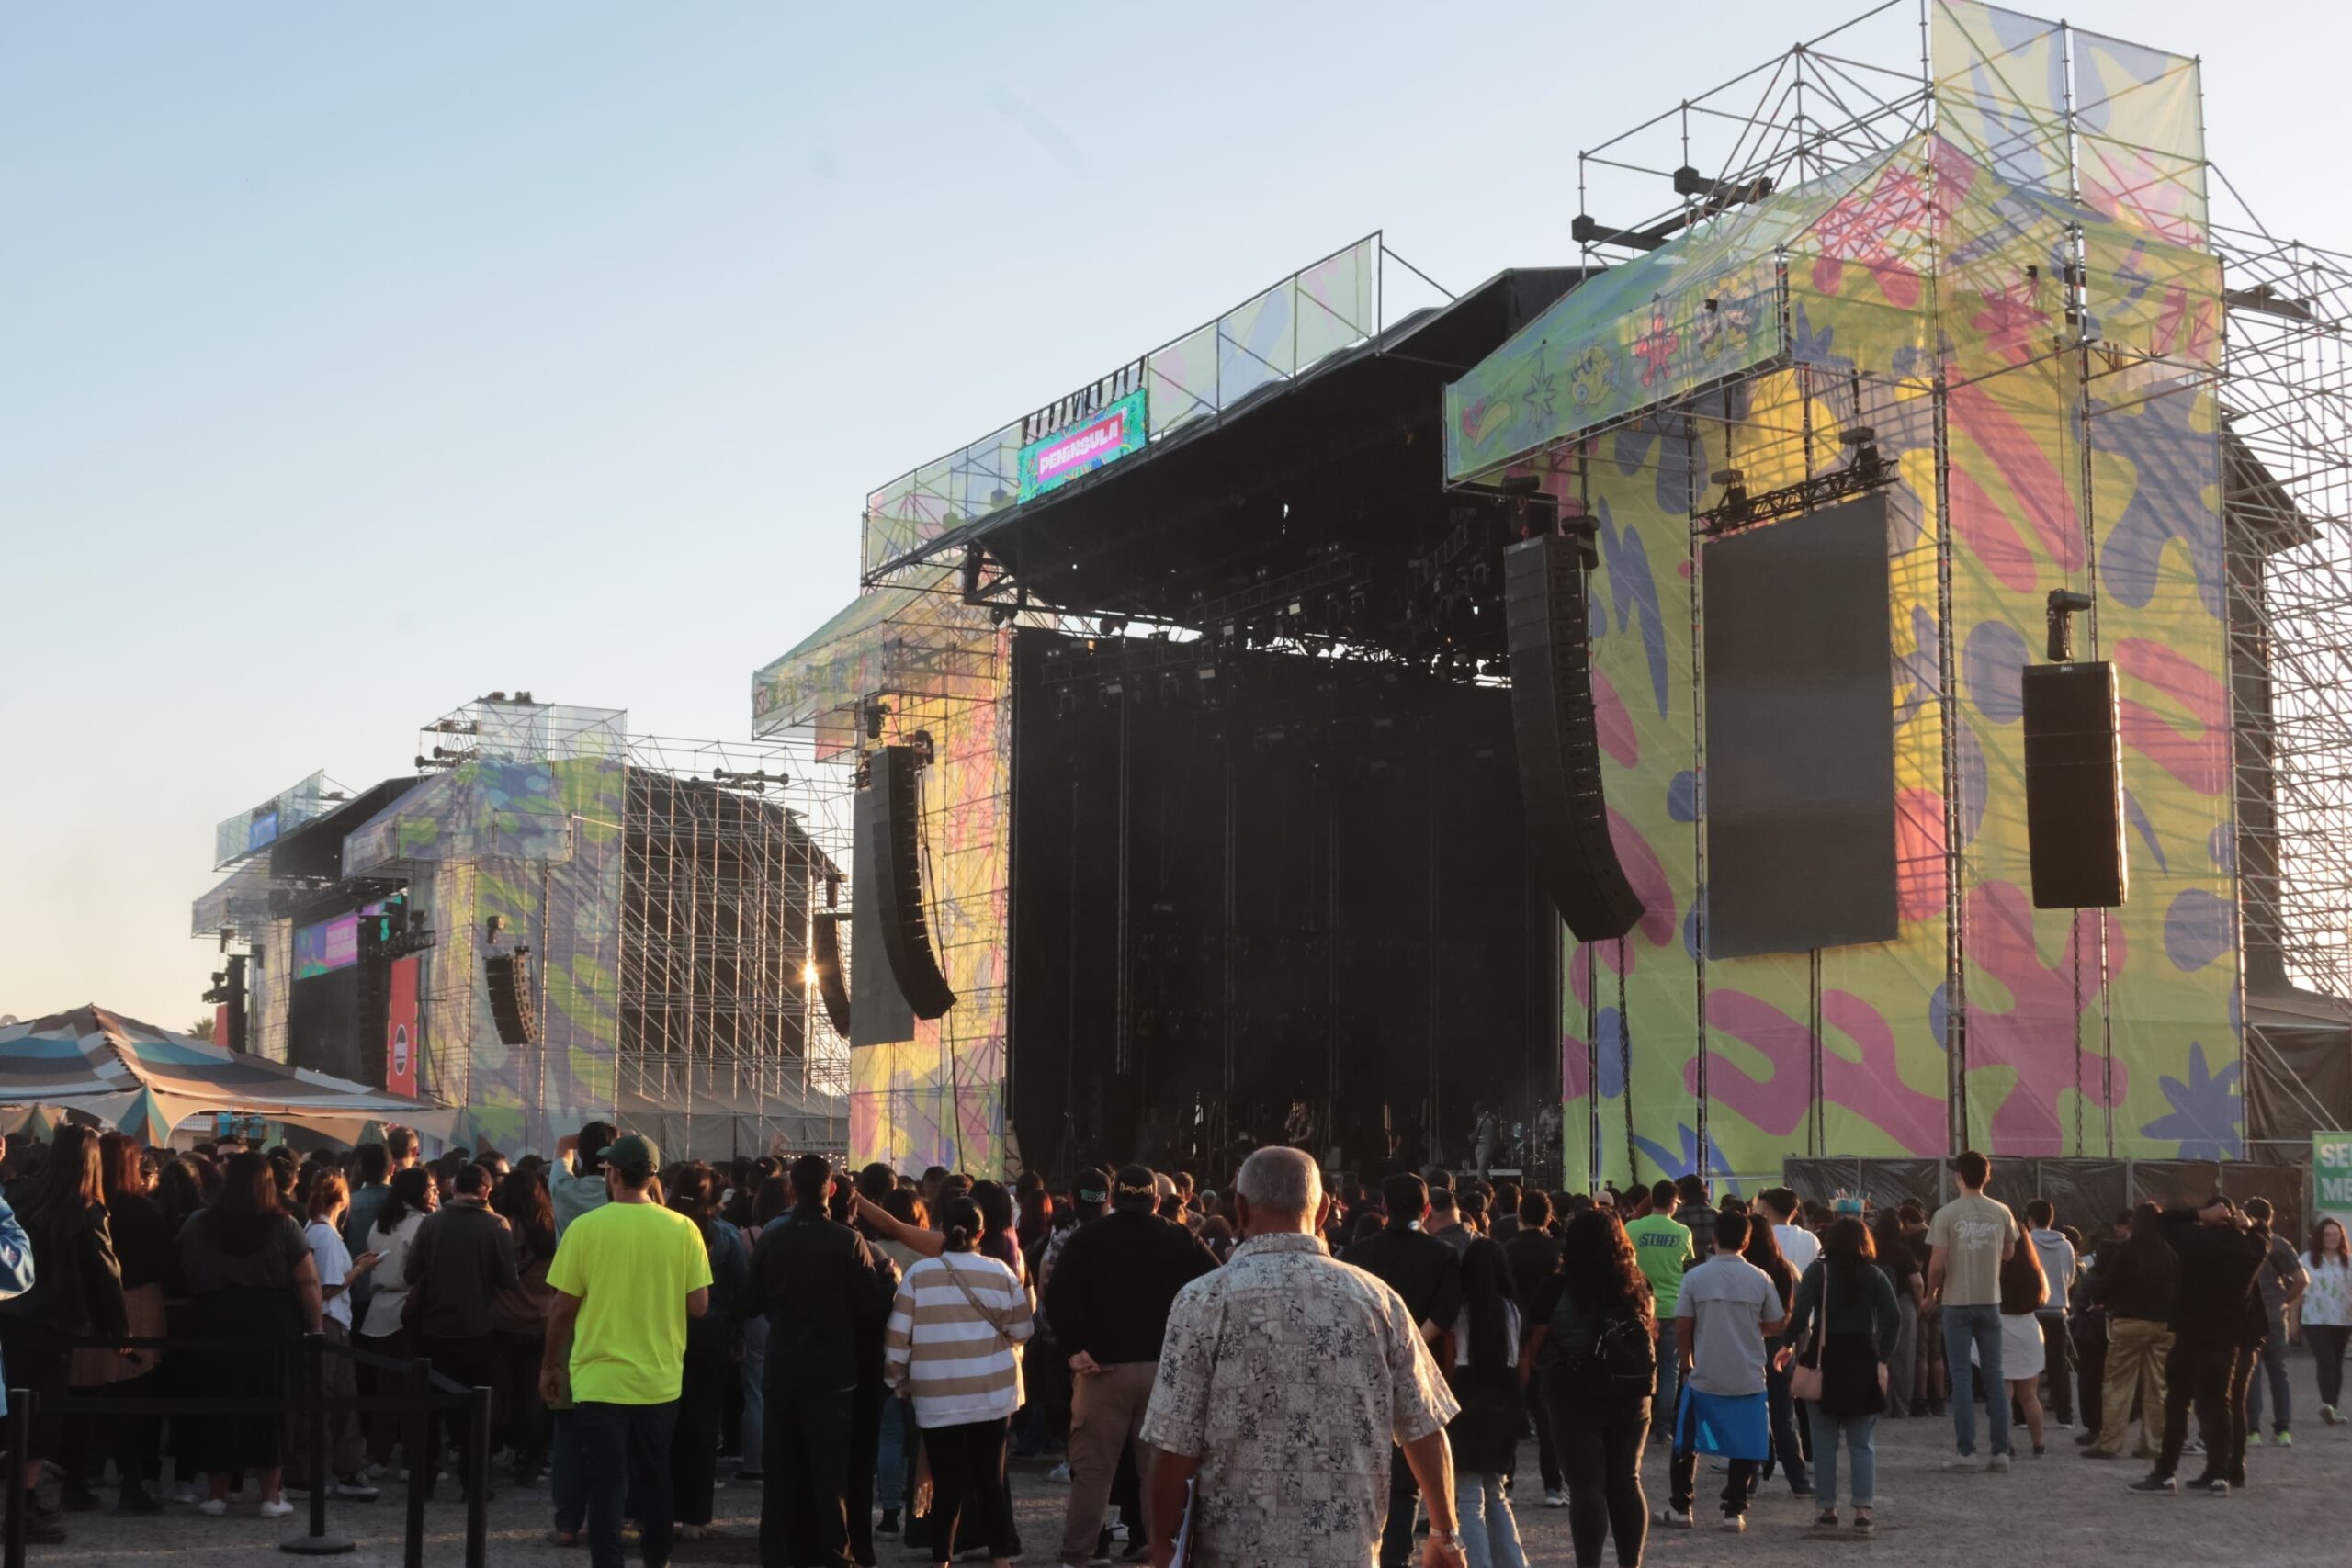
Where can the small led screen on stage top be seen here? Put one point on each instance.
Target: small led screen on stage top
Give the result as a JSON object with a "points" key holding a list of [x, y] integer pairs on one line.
{"points": [[330, 945], [1800, 722], [1124, 427]]}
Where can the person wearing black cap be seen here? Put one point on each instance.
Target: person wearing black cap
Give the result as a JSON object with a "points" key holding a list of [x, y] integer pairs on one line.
{"points": [[826, 1304], [628, 1275], [1108, 1302]]}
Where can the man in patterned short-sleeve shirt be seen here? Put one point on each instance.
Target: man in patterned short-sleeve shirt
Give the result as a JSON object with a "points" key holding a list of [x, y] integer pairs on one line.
{"points": [[1283, 1379]]}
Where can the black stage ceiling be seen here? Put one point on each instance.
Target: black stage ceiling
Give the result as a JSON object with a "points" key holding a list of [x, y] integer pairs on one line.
{"points": [[1337, 475]]}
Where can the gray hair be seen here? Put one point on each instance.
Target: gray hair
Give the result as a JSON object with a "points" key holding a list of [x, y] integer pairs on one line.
{"points": [[1282, 1180]]}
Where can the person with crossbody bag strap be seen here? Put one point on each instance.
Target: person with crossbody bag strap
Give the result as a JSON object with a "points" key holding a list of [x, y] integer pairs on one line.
{"points": [[1842, 1334], [954, 1341]]}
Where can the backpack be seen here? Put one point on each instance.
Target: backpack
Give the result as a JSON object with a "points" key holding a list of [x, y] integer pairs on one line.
{"points": [[1622, 1360]]}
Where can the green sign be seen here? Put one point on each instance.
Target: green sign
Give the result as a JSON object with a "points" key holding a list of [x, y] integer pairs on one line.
{"points": [[2332, 1173]]}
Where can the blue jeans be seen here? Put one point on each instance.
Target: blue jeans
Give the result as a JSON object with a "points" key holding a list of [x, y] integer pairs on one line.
{"points": [[1783, 1410], [1862, 1450], [894, 1459], [1489, 1534], [754, 1373], [567, 1482], [2273, 1366], [1979, 1326], [625, 1451], [1667, 1395]]}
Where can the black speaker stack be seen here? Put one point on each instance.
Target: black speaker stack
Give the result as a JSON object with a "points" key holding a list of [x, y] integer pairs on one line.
{"points": [[508, 975], [825, 953], [906, 931], [2074, 788], [1545, 582]]}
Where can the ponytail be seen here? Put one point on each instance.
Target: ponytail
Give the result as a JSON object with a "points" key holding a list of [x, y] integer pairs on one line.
{"points": [[960, 1223]]}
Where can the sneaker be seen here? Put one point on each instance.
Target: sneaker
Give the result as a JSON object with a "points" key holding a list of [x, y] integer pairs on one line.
{"points": [[2283, 1441], [1554, 1498], [2157, 1486], [2218, 1488], [1733, 1524], [279, 1509], [1674, 1519], [2329, 1416], [889, 1525], [214, 1507], [185, 1493], [1998, 1465], [1961, 1461], [376, 1473], [1060, 1473], [355, 1492], [2254, 1439]]}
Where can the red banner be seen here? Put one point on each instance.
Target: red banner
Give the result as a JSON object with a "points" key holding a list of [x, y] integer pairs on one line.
{"points": [[400, 1028]]}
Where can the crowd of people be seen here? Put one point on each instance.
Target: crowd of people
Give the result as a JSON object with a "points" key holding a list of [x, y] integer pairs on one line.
{"points": [[1278, 1373]]}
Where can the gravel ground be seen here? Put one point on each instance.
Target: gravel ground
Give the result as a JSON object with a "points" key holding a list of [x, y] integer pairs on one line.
{"points": [[2059, 1512]]}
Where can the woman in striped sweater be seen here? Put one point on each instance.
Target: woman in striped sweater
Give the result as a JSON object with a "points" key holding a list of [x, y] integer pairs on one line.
{"points": [[954, 1337]]}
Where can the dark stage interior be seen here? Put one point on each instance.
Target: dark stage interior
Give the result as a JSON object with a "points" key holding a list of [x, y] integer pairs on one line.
{"points": [[1286, 901]]}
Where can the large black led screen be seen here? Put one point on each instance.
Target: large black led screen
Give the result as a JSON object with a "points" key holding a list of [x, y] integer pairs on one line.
{"points": [[1799, 704]]}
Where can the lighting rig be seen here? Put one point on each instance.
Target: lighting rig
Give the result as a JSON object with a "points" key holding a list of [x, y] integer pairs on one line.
{"points": [[1864, 470]]}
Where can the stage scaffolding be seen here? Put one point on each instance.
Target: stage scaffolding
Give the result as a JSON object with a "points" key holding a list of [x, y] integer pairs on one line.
{"points": [[728, 850], [2050, 111]]}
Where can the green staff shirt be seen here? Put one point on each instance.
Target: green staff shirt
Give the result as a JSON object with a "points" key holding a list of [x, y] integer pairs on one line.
{"points": [[1662, 1247], [632, 1266]]}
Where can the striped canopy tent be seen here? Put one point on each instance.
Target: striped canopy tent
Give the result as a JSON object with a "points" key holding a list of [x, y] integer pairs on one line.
{"points": [[146, 1081]]}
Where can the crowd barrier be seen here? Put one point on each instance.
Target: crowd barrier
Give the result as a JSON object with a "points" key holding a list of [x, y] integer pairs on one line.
{"points": [[2088, 1193], [426, 1391]]}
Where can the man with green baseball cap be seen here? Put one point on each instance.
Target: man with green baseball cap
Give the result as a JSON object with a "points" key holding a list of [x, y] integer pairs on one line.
{"points": [[627, 1277]]}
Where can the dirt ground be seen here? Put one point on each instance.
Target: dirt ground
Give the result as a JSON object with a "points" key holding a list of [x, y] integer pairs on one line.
{"points": [[2058, 1512]]}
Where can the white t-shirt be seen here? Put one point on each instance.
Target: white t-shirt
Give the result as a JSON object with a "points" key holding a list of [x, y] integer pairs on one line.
{"points": [[2328, 1300], [333, 1260], [1798, 1245]]}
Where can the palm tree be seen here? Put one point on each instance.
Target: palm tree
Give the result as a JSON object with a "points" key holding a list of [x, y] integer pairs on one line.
{"points": [[202, 1028]]}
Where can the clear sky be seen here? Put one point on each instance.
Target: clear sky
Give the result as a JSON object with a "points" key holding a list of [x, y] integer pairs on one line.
{"points": [[359, 360]]}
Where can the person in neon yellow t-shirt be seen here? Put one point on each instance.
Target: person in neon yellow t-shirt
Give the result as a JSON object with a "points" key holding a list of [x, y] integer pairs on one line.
{"points": [[1662, 1247], [627, 1277]]}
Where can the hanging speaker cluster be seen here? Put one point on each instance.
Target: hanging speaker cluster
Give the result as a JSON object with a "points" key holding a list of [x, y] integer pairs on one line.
{"points": [[2074, 788], [825, 955], [1545, 587], [508, 977], [906, 932]]}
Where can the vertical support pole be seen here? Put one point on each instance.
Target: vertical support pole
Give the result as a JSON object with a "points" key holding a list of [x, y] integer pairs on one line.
{"points": [[478, 1479], [416, 1446], [20, 1443], [314, 1355]]}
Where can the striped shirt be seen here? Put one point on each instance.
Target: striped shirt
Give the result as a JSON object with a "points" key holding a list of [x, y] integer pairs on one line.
{"points": [[955, 1352]]}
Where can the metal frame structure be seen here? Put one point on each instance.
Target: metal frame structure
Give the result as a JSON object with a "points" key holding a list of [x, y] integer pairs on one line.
{"points": [[2284, 380], [727, 846]]}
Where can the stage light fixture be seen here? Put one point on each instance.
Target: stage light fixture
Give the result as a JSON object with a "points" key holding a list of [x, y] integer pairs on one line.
{"points": [[1734, 502], [1861, 443], [875, 713], [972, 561], [2063, 603]]}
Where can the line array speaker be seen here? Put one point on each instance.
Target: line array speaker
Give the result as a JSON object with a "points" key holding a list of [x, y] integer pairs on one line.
{"points": [[509, 978], [906, 934], [2074, 788], [825, 953], [1544, 586]]}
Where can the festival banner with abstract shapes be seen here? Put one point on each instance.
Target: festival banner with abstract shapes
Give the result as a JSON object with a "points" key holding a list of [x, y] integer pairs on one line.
{"points": [[2000, 92], [1636, 486], [2139, 137], [2155, 496], [2151, 299], [939, 1099]]}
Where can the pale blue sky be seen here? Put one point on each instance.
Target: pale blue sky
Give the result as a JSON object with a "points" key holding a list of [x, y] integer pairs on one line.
{"points": [[356, 360]]}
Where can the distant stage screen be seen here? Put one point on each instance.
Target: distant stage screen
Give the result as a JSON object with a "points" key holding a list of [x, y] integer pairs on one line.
{"points": [[330, 945]]}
